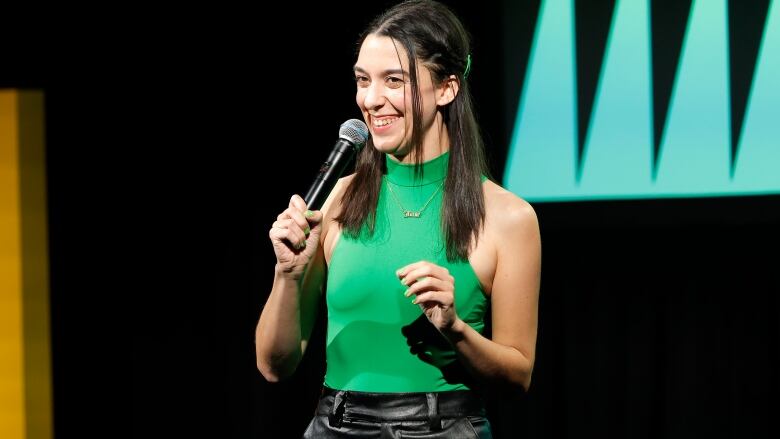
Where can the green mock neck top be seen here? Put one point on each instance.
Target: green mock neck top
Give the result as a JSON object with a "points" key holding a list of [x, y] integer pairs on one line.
{"points": [[377, 340]]}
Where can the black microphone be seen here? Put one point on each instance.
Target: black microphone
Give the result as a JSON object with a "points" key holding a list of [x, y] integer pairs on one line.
{"points": [[352, 136]]}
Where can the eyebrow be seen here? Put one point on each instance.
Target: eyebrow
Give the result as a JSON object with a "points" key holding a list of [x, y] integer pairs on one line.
{"points": [[384, 73]]}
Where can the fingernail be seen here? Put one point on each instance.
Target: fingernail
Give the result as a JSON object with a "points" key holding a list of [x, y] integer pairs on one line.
{"points": [[308, 214], [414, 301], [307, 230], [406, 293]]}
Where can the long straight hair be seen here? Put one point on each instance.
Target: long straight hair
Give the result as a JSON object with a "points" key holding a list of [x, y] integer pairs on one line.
{"points": [[431, 34]]}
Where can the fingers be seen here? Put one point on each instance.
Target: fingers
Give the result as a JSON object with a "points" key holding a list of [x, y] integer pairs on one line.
{"points": [[428, 284], [442, 298], [296, 217], [412, 272], [295, 223], [298, 210], [313, 216], [297, 202], [288, 229], [432, 290]]}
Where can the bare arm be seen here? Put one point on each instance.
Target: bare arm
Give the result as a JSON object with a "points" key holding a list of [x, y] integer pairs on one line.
{"points": [[288, 317], [509, 356]]}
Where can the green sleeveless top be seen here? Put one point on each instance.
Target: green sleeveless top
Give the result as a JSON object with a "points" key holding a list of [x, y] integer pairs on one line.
{"points": [[377, 340]]}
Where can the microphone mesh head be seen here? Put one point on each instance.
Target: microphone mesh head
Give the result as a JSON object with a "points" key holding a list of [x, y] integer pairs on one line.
{"points": [[354, 131]]}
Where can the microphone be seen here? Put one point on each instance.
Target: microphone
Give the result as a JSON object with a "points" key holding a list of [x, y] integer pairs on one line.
{"points": [[352, 136]]}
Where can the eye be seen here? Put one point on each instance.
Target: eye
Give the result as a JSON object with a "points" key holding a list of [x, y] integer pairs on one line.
{"points": [[394, 82], [361, 81]]}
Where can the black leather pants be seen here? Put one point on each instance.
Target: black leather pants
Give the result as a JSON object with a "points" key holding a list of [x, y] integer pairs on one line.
{"points": [[348, 414]]}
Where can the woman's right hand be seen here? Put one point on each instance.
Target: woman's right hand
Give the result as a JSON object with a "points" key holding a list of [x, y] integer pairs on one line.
{"points": [[295, 237]]}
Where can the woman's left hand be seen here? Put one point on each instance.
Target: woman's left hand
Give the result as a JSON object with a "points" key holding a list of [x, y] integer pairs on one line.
{"points": [[434, 288]]}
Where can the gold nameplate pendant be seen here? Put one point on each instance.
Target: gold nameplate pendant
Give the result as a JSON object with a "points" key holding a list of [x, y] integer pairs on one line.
{"points": [[411, 214]]}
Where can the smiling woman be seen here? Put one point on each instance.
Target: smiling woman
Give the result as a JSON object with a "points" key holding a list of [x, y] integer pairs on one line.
{"points": [[410, 252], [384, 93]]}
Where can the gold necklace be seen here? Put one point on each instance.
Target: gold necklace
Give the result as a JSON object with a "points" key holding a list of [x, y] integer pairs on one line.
{"points": [[413, 213]]}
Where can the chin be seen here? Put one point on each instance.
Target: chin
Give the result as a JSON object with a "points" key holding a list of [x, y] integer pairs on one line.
{"points": [[389, 148], [385, 146]]}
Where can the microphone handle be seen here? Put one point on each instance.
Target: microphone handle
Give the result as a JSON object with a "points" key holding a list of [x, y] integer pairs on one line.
{"points": [[329, 173]]}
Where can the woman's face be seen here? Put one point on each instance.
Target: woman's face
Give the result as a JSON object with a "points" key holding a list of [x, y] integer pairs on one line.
{"points": [[384, 95]]}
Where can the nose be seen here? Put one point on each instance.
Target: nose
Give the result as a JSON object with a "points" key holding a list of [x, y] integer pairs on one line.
{"points": [[373, 96]]}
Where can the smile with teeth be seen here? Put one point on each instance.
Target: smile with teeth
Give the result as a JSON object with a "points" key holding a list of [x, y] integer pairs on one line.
{"points": [[383, 122]]}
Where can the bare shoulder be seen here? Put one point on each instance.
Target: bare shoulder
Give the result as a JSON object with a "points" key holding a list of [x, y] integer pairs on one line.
{"points": [[508, 213]]}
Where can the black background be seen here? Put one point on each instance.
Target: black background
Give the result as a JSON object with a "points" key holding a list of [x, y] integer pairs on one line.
{"points": [[174, 138]]}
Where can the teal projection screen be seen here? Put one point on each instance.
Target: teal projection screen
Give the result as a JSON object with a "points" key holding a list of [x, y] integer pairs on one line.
{"points": [[648, 99]]}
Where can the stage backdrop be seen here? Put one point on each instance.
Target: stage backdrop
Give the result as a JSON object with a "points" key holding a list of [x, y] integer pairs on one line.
{"points": [[641, 131], [646, 99]]}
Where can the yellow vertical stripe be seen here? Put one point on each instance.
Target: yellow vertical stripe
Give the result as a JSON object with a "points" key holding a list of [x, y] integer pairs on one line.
{"points": [[11, 366], [25, 359]]}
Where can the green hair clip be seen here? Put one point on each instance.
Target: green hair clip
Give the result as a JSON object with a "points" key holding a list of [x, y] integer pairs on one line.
{"points": [[468, 66]]}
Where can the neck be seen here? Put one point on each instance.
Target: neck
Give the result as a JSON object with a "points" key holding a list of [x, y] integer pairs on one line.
{"points": [[428, 155], [403, 174]]}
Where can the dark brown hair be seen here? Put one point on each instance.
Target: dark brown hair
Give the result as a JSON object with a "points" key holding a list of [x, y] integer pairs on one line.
{"points": [[431, 33]]}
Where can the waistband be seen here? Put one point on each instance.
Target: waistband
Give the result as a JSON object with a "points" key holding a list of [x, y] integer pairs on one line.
{"points": [[389, 407]]}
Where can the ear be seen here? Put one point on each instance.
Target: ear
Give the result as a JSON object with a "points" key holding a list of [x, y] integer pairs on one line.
{"points": [[447, 90]]}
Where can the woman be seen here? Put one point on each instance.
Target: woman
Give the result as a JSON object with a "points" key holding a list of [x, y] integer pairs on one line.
{"points": [[417, 245]]}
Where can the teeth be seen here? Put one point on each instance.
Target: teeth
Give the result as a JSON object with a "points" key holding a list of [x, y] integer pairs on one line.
{"points": [[383, 122]]}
